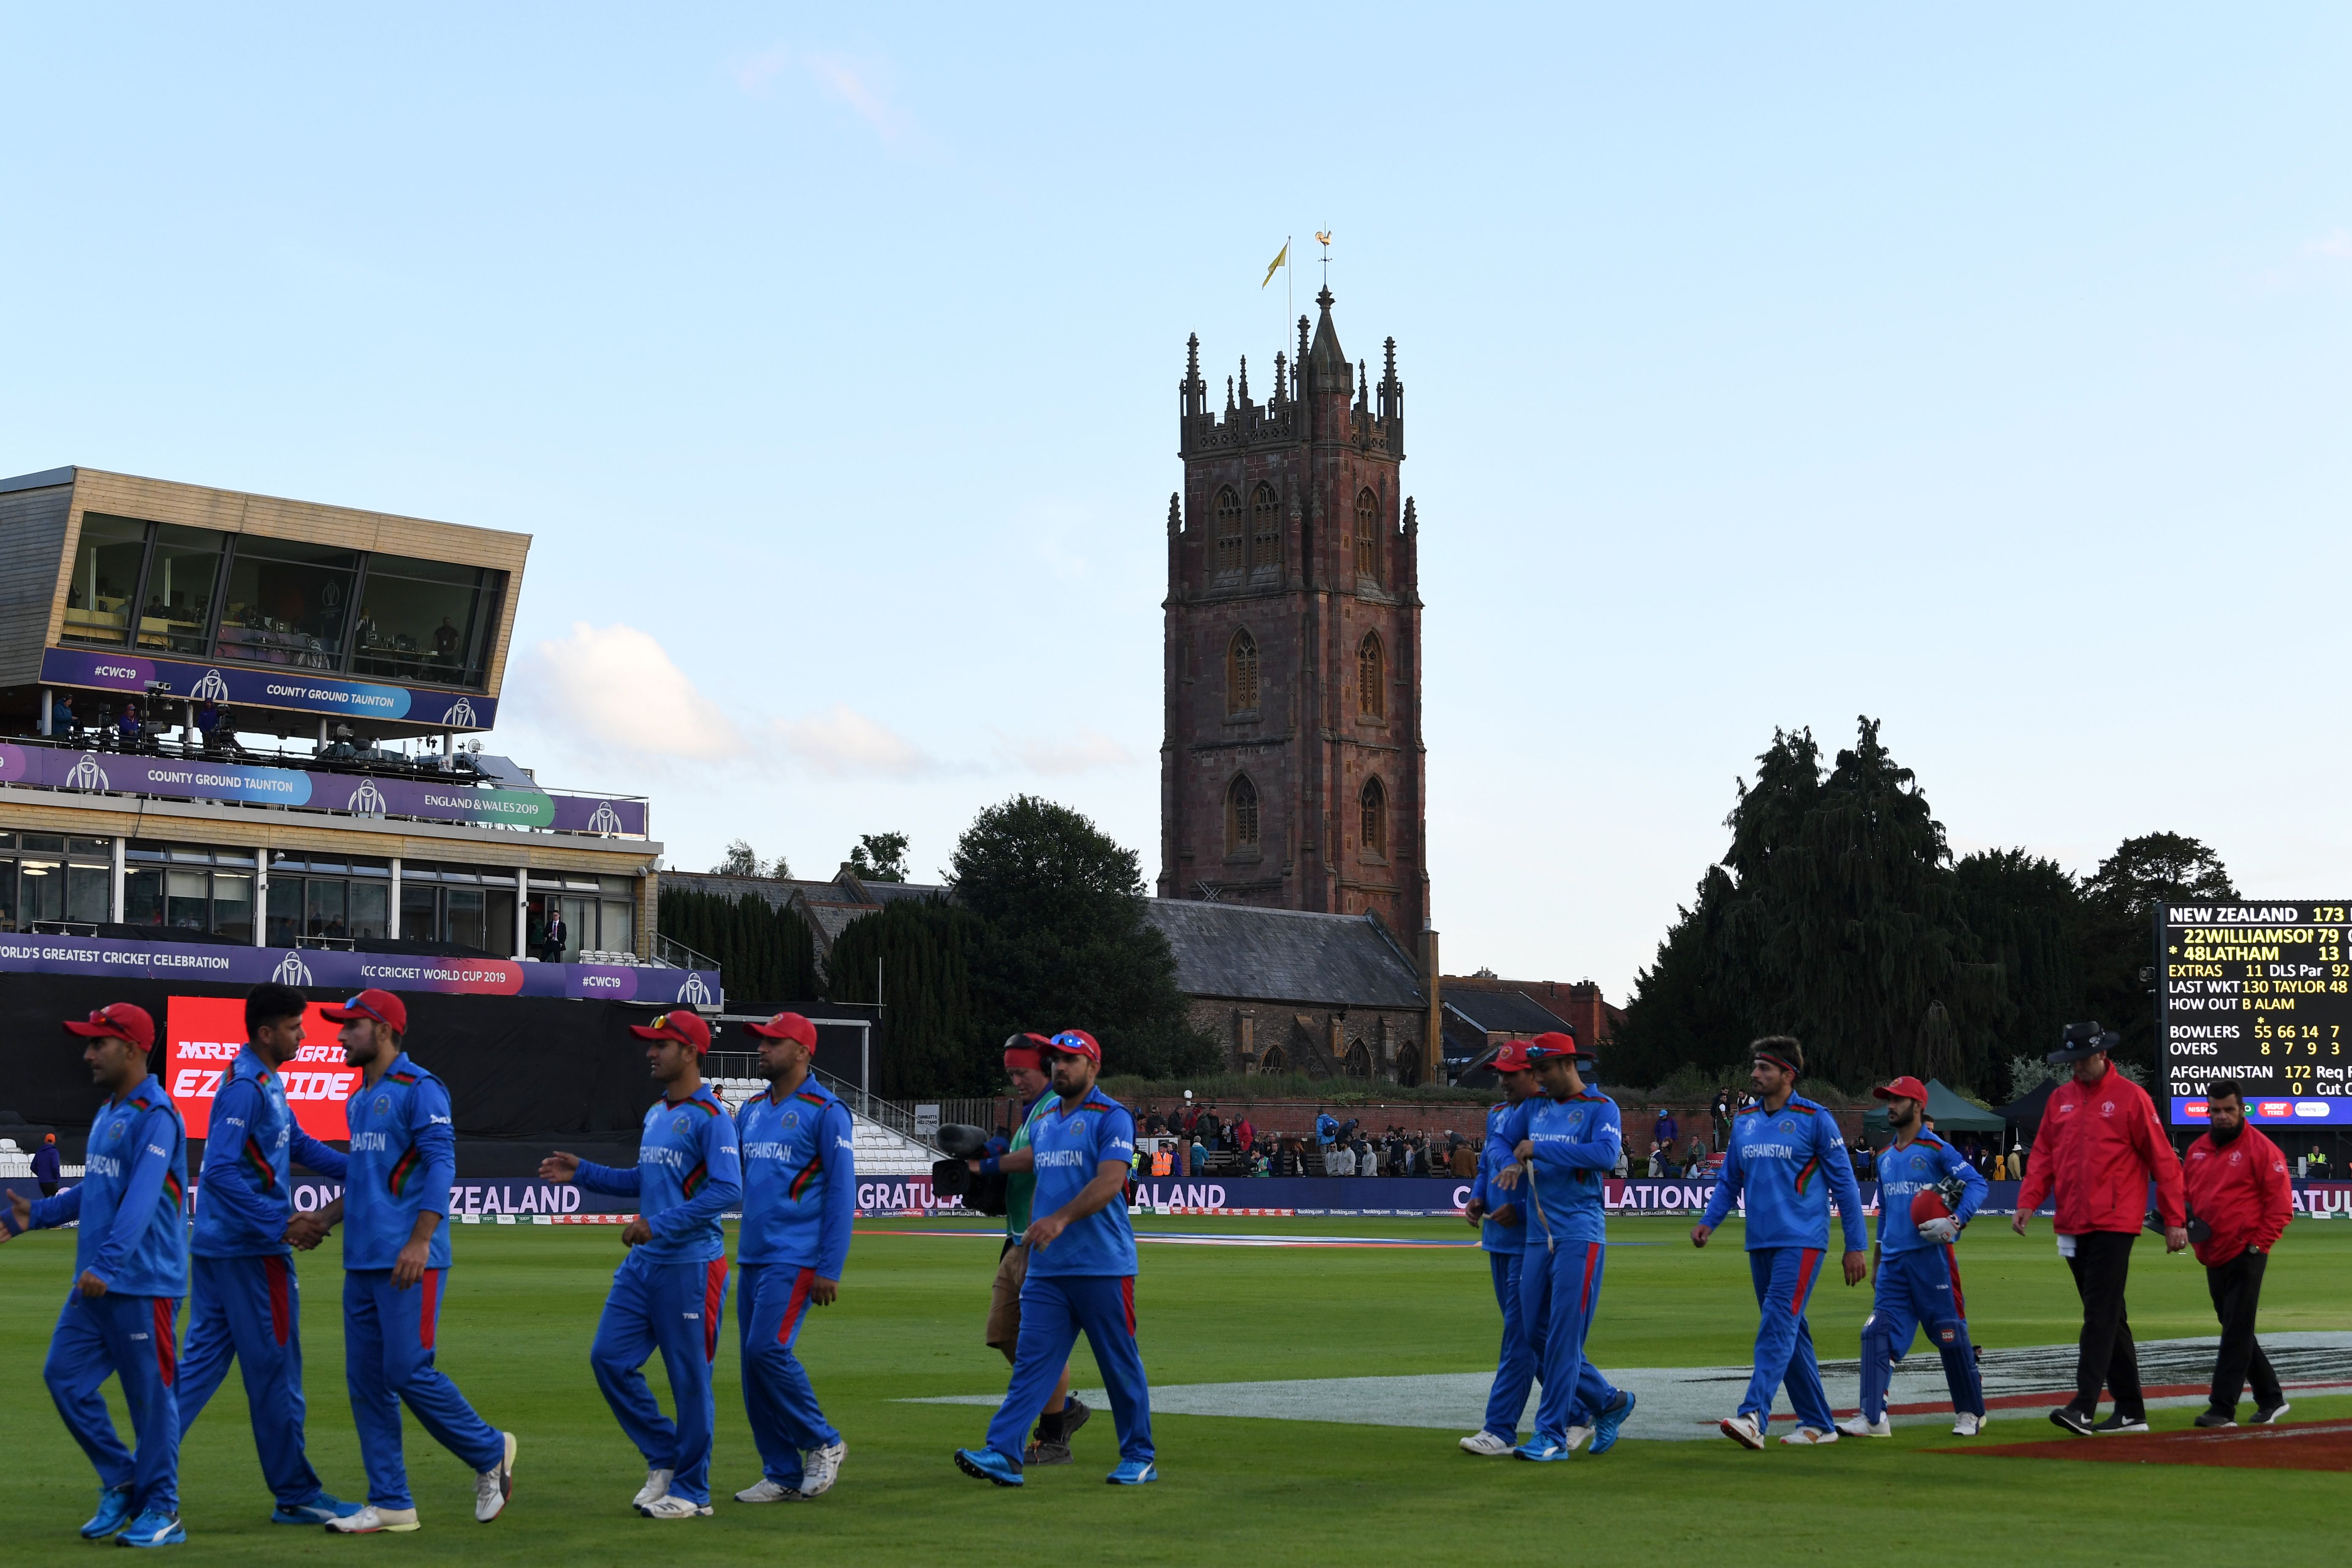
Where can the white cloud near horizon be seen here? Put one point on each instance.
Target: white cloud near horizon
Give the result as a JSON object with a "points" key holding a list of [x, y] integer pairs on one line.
{"points": [[615, 687], [1090, 749], [841, 742]]}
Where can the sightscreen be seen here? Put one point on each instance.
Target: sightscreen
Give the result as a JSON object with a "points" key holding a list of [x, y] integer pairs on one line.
{"points": [[2261, 993]]}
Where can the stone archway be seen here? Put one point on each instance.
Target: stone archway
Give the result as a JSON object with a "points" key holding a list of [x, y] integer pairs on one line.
{"points": [[1359, 1061], [1272, 1062], [1408, 1068]]}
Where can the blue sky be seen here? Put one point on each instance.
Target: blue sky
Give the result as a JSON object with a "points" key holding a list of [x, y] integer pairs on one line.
{"points": [[1987, 373]]}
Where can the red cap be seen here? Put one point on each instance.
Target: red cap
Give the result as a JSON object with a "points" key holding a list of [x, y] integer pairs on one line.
{"points": [[1904, 1089], [1026, 1053], [680, 1024], [1551, 1044], [1512, 1057], [783, 1026], [121, 1021], [382, 1006], [1075, 1043]]}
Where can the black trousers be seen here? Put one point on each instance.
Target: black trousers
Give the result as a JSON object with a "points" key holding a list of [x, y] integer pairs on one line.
{"points": [[2101, 1265], [2237, 1287]]}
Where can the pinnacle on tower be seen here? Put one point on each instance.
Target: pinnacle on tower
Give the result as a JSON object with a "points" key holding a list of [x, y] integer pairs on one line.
{"points": [[1244, 378], [1363, 385], [1228, 394], [1326, 358], [1175, 516], [1280, 389], [1411, 523]]}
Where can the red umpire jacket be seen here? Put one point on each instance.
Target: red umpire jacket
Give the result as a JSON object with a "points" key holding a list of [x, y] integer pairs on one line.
{"points": [[2099, 1147], [2239, 1189]]}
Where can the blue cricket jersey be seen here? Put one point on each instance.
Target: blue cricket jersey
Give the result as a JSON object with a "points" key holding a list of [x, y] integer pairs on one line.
{"points": [[1068, 1145], [1781, 1159], [134, 1179], [1905, 1172], [689, 1171], [404, 1156], [243, 1194], [1493, 1156], [800, 1180], [1576, 1142]]}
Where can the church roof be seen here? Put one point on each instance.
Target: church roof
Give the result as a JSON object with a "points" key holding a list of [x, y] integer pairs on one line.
{"points": [[1503, 1012], [1246, 952]]}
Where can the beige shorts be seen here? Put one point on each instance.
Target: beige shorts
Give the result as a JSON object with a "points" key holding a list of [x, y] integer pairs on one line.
{"points": [[1004, 1297]]}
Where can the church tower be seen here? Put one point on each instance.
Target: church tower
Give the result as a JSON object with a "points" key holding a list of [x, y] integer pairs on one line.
{"points": [[1292, 770]]}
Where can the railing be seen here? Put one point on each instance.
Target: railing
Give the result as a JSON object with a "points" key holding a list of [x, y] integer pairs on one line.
{"points": [[671, 953]]}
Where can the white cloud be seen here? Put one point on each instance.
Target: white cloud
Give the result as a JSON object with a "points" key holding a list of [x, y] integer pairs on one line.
{"points": [[2336, 246], [614, 688], [1089, 750], [845, 741], [846, 82]]}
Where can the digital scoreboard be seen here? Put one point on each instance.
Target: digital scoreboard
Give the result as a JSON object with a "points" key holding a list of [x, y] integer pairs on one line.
{"points": [[2261, 993]]}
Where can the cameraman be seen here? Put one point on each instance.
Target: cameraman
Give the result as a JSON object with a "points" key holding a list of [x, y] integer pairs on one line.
{"points": [[2100, 1146], [1025, 1065]]}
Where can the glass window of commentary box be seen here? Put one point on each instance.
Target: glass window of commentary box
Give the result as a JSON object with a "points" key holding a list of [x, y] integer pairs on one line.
{"points": [[182, 569], [107, 563], [425, 621], [287, 603]]}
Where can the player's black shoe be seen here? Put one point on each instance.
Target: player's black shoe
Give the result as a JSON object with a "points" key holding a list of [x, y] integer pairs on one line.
{"points": [[2072, 1419], [2119, 1422], [2215, 1420]]}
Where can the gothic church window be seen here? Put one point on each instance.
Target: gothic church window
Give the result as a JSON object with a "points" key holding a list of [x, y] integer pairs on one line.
{"points": [[1241, 674], [1241, 812], [1265, 528], [1368, 536], [1375, 801], [1371, 677], [1229, 532]]}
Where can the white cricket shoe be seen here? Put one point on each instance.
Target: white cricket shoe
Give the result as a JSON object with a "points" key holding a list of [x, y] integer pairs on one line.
{"points": [[669, 1505], [1486, 1445], [1742, 1429], [1809, 1436], [1574, 1437], [1857, 1427], [373, 1520], [1967, 1426], [494, 1486], [820, 1467], [770, 1491], [657, 1485]]}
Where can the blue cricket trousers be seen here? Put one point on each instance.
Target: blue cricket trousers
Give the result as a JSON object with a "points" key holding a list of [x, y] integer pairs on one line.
{"points": [[1515, 1367], [673, 1307], [388, 1338], [1054, 1310], [1918, 1289], [250, 1310], [1784, 1279], [772, 1303], [1560, 1288], [136, 1340]]}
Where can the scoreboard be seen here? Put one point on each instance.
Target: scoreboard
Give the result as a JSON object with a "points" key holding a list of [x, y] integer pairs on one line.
{"points": [[2261, 993]]}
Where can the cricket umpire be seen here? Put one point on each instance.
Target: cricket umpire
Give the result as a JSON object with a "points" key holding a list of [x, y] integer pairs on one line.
{"points": [[2240, 1202]]}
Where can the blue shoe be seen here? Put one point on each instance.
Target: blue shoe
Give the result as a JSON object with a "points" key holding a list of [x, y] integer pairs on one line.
{"points": [[989, 1464], [317, 1510], [1612, 1420], [153, 1528], [113, 1513], [1133, 1473], [1543, 1448]]}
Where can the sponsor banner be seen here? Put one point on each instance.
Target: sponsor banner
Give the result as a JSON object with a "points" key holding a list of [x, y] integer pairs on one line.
{"points": [[267, 686], [181, 778], [468, 1195], [327, 969], [202, 1037], [2319, 1109]]}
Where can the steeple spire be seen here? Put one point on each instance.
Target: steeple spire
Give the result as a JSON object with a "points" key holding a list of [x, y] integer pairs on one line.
{"points": [[1175, 516], [1244, 378]]}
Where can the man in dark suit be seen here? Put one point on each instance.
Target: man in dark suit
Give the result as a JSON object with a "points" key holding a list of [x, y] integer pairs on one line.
{"points": [[554, 939]]}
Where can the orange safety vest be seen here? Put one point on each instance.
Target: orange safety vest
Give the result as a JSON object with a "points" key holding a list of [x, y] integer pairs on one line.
{"points": [[1162, 1163]]}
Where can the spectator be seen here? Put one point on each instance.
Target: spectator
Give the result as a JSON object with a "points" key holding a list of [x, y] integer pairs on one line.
{"points": [[1466, 1161], [1864, 1161], [1163, 1160], [1368, 1161], [1154, 1124], [2318, 1163], [1339, 1160], [46, 1165], [1244, 1133], [1722, 1117], [1694, 1161], [1256, 1163], [1622, 1165], [1657, 1160], [1665, 1132], [1395, 1161], [1327, 1129], [63, 721], [127, 727], [1199, 1164]]}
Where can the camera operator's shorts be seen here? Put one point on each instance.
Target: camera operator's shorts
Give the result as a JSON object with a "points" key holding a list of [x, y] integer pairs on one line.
{"points": [[1004, 1297]]}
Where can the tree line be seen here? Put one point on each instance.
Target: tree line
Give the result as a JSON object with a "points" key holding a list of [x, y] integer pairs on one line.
{"points": [[1838, 914]]}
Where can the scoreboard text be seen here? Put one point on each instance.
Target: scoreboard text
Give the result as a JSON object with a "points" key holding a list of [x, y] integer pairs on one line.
{"points": [[2261, 993]]}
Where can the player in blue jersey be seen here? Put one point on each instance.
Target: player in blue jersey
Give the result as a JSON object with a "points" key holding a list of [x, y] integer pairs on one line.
{"points": [[246, 1303], [670, 1291], [1785, 1157], [1564, 1143], [1918, 1278], [1503, 1233], [395, 1215], [800, 1193], [130, 1268], [1081, 1270]]}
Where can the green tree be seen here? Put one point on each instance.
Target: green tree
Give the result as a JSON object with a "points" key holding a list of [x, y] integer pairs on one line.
{"points": [[742, 860], [930, 1040], [763, 953], [880, 857], [2118, 941], [2028, 917], [1064, 941]]}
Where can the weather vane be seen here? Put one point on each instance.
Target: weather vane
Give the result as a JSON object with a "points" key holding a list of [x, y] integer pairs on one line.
{"points": [[1323, 237]]}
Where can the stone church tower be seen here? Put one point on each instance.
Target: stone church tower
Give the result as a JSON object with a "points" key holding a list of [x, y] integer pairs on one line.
{"points": [[1291, 775]]}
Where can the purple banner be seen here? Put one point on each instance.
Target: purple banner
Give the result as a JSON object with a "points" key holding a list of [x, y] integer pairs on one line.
{"points": [[180, 778], [330, 969], [287, 683]]}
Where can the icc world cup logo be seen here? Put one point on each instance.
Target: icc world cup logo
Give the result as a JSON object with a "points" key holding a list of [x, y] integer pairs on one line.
{"points": [[460, 712], [211, 689], [606, 819], [86, 773], [292, 971], [694, 993], [367, 800]]}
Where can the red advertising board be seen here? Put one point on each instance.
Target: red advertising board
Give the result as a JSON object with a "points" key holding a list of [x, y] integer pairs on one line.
{"points": [[202, 1037]]}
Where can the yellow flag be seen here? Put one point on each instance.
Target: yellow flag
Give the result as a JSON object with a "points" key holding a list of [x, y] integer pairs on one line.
{"points": [[1277, 264]]}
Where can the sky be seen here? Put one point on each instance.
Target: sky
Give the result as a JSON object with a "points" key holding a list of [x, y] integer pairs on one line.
{"points": [[1982, 371]]}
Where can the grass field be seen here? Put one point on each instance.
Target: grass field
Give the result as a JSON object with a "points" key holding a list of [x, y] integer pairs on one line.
{"points": [[522, 1304]]}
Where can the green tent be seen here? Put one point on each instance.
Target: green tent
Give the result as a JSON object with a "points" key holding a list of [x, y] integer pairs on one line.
{"points": [[1949, 1112]]}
